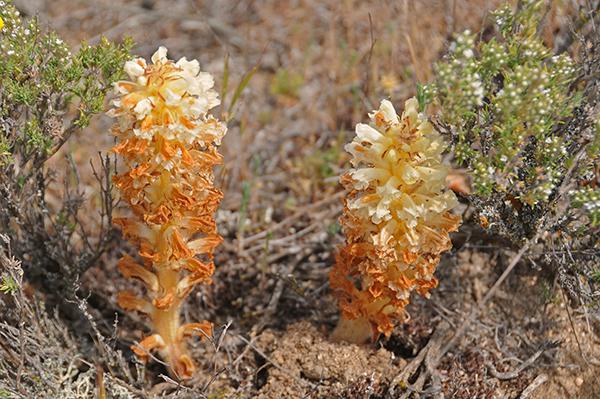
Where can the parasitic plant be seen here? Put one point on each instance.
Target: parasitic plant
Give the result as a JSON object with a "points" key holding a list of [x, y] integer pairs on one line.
{"points": [[396, 219], [169, 145]]}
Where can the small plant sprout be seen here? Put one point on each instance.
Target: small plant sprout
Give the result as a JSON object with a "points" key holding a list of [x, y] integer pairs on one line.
{"points": [[169, 145], [396, 218]]}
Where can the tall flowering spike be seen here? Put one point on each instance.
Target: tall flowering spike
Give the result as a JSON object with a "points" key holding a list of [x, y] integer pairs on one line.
{"points": [[169, 145], [396, 218]]}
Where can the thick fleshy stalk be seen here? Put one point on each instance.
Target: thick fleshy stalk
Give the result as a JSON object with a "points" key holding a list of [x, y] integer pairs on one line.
{"points": [[169, 145], [396, 219]]}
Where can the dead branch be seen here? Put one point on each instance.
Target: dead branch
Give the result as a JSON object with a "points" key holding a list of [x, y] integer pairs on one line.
{"points": [[539, 380], [515, 373], [425, 357]]}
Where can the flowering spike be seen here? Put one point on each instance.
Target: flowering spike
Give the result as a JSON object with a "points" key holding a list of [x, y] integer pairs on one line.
{"points": [[169, 145], [396, 220]]}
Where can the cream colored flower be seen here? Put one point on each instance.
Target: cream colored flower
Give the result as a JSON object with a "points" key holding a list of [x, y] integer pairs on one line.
{"points": [[166, 97], [396, 219]]}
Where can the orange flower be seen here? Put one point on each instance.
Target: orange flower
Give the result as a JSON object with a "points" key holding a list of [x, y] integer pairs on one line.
{"points": [[169, 145], [396, 220]]}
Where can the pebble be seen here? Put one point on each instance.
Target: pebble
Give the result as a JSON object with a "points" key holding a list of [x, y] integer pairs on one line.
{"points": [[579, 381]]}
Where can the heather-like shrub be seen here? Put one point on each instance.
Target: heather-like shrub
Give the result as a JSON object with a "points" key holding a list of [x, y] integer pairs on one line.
{"points": [[523, 120], [47, 93]]}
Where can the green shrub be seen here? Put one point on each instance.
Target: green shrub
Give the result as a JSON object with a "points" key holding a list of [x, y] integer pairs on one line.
{"points": [[508, 102], [47, 93], [522, 121]]}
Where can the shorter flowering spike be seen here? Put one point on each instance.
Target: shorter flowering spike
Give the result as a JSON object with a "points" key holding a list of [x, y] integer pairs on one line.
{"points": [[396, 218], [169, 145]]}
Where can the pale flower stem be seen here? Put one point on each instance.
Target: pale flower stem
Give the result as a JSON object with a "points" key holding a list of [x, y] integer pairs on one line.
{"points": [[357, 331], [166, 322]]}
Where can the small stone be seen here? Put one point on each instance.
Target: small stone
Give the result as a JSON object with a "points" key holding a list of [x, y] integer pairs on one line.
{"points": [[579, 381]]}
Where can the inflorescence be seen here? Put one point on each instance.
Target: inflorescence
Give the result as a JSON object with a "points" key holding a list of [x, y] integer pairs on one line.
{"points": [[169, 145], [397, 218]]}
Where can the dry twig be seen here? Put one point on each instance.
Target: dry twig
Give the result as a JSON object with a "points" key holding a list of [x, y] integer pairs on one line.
{"points": [[539, 380]]}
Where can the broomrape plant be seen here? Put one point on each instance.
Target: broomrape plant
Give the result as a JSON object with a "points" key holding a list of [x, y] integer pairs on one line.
{"points": [[169, 145], [396, 218]]}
